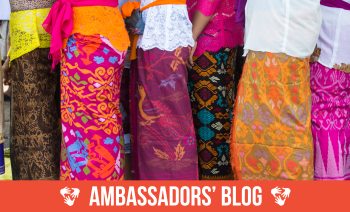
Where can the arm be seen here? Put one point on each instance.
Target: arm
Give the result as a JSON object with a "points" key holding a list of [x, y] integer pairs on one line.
{"points": [[205, 10], [199, 22]]}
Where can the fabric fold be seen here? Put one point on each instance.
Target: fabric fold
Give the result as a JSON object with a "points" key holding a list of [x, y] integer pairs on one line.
{"points": [[59, 22]]}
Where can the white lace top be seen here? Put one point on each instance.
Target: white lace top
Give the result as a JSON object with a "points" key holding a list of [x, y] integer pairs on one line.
{"points": [[334, 40], [167, 27], [282, 26]]}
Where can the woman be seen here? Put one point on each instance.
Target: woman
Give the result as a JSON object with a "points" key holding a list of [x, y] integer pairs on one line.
{"points": [[93, 41], [163, 137], [330, 82], [213, 78], [271, 136], [35, 133]]}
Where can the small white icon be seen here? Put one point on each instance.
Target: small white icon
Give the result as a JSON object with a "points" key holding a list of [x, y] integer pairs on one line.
{"points": [[280, 198], [69, 195]]}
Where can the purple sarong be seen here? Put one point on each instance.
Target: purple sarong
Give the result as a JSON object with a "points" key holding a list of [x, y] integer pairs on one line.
{"points": [[163, 145]]}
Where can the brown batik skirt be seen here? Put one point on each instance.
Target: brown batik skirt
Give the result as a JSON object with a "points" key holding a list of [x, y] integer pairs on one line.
{"points": [[35, 132]]}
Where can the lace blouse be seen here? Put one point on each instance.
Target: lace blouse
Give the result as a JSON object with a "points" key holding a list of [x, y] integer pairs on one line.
{"points": [[334, 40], [27, 33], [167, 27], [289, 26], [221, 31]]}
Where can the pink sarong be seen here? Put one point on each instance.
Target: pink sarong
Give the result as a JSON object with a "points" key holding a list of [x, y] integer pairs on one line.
{"points": [[330, 122], [92, 143]]}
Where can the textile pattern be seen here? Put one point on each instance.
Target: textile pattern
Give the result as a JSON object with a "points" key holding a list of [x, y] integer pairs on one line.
{"points": [[103, 20], [133, 95], [167, 27], [212, 89], [330, 122], [35, 133], [93, 142], [27, 33], [271, 135], [124, 100], [164, 145], [18, 5], [221, 29]]}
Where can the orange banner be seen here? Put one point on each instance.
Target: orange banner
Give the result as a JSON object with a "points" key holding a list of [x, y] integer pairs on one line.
{"points": [[173, 196]]}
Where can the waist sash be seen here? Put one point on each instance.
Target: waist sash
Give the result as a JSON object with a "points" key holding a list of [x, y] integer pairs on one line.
{"points": [[59, 22]]}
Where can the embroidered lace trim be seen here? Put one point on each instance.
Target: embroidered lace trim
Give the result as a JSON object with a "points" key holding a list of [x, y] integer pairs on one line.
{"points": [[167, 27], [315, 55], [106, 21], [27, 33], [343, 67]]}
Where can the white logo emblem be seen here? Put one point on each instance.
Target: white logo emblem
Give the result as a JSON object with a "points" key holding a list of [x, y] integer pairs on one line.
{"points": [[69, 195], [280, 198]]}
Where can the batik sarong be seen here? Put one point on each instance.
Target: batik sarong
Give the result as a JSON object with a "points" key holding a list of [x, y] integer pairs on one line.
{"points": [[330, 122], [271, 134], [212, 88], [164, 145], [35, 132], [93, 143]]}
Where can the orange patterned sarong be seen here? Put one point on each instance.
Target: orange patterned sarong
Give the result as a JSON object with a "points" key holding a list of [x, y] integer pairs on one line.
{"points": [[271, 137]]}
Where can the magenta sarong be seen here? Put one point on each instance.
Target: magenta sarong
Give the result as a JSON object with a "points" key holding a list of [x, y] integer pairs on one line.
{"points": [[330, 122], [93, 143], [163, 144]]}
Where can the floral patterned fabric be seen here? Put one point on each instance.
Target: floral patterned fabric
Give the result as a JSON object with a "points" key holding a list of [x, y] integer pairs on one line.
{"points": [[92, 143], [163, 137], [330, 122], [212, 85], [271, 134]]}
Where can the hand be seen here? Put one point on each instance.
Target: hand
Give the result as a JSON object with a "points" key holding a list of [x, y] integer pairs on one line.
{"points": [[75, 193], [68, 201], [189, 62], [65, 191], [275, 191], [279, 201], [6, 71], [286, 192]]}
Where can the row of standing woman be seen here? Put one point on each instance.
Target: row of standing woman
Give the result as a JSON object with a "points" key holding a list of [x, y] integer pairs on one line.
{"points": [[281, 121]]}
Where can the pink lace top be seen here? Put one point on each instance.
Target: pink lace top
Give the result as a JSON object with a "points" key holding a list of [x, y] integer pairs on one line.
{"points": [[221, 31]]}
